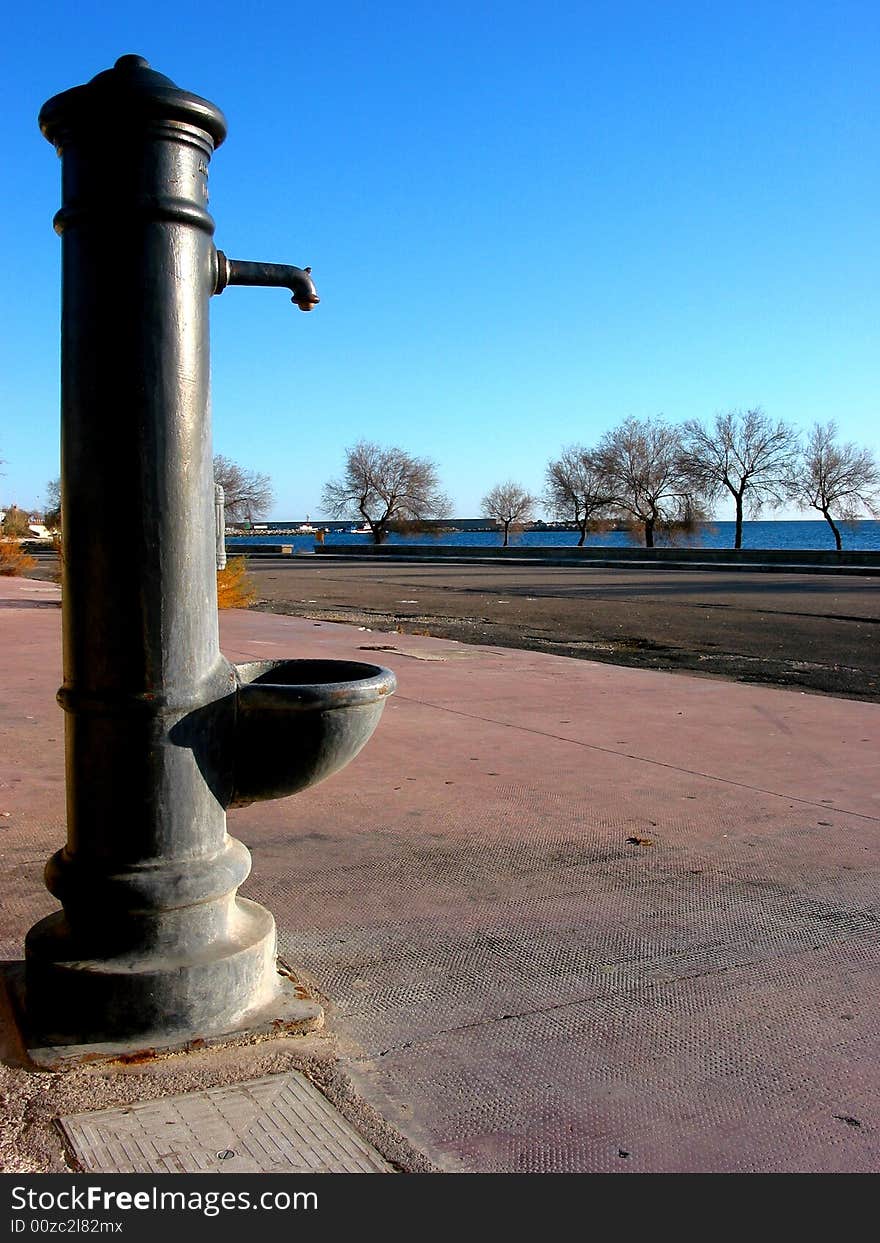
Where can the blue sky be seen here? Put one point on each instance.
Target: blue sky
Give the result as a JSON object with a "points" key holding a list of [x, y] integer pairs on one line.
{"points": [[526, 222]]}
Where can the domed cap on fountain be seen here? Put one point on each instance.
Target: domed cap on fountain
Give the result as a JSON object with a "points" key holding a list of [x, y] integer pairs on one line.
{"points": [[120, 97]]}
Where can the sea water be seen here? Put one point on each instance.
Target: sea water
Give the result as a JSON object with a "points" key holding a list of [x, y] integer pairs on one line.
{"points": [[863, 535]]}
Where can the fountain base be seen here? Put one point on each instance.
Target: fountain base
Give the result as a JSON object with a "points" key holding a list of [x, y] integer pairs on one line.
{"points": [[74, 1006], [290, 1011]]}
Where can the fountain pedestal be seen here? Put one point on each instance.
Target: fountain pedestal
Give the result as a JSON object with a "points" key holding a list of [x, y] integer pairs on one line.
{"points": [[153, 946]]}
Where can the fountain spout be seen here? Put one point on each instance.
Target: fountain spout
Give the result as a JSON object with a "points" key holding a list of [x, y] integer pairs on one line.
{"points": [[241, 272]]}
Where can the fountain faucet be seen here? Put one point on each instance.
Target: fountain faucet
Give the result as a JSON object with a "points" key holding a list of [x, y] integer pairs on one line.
{"points": [[242, 272]]}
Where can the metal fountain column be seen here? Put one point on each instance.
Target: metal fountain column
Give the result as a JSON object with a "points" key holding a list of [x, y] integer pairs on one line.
{"points": [[162, 733]]}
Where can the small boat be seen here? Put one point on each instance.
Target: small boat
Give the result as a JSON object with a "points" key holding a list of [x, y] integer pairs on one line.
{"points": [[361, 530], [305, 528]]}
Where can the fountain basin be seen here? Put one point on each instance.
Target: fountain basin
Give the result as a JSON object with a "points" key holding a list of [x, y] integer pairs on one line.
{"points": [[299, 721]]}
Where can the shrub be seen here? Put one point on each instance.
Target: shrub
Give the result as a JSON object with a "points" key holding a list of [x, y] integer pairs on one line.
{"points": [[234, 588], [13, 559]]}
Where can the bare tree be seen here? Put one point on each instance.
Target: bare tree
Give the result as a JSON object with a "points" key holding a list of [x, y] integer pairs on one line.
{"points": [[510, 505], [387, 488], [746, 454], [247, 494], [649, 478], [841, 481], [15, 523], [577, 491], [52, 510]]}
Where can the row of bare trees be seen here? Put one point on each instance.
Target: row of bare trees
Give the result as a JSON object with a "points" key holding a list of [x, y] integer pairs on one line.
{"points": [[659, 478], [665, 478]]}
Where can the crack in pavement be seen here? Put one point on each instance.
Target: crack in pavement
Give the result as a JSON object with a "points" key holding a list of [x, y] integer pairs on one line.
{"points": [[644, 759]]}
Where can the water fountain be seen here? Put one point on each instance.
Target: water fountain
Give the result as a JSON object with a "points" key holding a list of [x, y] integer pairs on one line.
{"points": [[153, 945]]}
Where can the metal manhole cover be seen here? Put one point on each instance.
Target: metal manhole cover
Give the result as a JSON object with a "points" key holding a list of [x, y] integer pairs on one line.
{"points": [[277, 1124]]}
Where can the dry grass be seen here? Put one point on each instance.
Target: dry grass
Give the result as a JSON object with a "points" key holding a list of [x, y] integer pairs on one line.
{"points": [[13, 559], [235, 589]]}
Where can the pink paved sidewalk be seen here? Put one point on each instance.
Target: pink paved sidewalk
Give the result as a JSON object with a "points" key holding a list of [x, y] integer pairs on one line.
{"points": [[515, 985]]}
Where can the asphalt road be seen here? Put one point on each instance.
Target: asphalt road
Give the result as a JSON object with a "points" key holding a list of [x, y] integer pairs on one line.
{"points": [[810, 631]]}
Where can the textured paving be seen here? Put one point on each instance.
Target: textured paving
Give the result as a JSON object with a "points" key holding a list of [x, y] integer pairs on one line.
{"points": [[567, 916], [279, 1124]]}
